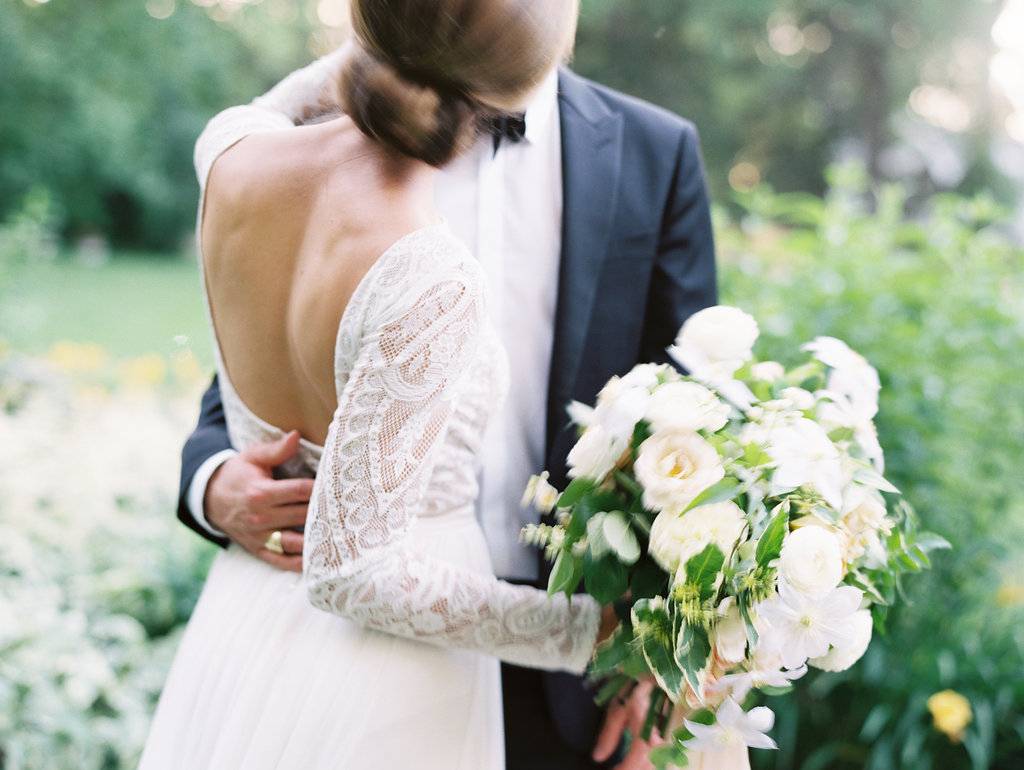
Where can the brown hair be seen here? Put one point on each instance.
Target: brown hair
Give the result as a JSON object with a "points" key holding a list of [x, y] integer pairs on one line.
{"points": [[421, 72]]}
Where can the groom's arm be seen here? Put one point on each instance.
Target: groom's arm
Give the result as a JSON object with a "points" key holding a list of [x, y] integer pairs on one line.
{"points": [[226, 496]]}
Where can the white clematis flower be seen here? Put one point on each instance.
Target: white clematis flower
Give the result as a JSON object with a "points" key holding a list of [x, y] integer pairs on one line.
{"points": [[733, 727], [799, 626], [841, 658]]}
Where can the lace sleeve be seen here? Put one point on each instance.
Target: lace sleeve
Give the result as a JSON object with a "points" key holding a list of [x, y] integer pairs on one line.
{"points": [[392, 414]]}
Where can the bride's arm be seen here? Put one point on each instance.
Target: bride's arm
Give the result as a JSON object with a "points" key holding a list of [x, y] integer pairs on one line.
{"points": [[303, 94], [393, 410]]}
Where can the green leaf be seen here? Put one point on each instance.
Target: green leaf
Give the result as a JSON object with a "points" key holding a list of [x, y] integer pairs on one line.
{"points": [[691, 653], [614, 652], [703, 569], [578, 487], [769, 545], [620, 537], [648, 579], [868, 476], [663, 666], [668, 754], [565, 575], [606, 579], [726, 489]]}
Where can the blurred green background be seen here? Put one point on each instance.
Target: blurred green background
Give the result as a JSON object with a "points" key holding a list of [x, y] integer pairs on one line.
{"points": [[866, 165]]}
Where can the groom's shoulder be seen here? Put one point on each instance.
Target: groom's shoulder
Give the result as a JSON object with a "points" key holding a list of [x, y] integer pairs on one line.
{"points": [[638, 115]]}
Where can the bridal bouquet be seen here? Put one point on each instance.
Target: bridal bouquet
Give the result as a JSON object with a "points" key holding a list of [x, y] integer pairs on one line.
{"points": [[738, 519]]}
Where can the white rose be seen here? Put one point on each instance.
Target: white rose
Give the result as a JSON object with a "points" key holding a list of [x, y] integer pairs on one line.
{"points": [[686, 406], [595, 453], [811, 560], [675, 538], [729, 635], [674, 467], [722, 332], [841, 658]]}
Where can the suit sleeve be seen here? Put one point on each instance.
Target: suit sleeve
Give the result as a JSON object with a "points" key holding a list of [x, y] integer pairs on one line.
{"points": [[209, 437], [683, 280]]}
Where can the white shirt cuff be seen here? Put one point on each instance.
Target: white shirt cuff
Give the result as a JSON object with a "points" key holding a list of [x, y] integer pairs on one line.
{"points": [[197, 489]]}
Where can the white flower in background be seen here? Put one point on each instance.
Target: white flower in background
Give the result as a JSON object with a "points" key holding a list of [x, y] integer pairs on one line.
{"points": [[677, 538], [799, 626], [712, 344], [674, 467], [804, 455], [841, 658], [721, 332], [739, 684], [595, 453], [767, 371], [851, 373], [836, 410], [686, 406], [540, 494], [729, 634], [802, 400], [863, 521], [811, 560], [733, 727]]}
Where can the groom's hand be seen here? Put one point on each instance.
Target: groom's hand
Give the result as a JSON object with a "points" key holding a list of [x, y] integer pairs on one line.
{"points": [[245, 502], [627, 713]]}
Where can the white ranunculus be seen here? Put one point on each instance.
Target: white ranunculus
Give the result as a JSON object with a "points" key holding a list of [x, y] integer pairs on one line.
{"points": [[722, 332], [811, 560], [640, 376], [595, 453], [677, 538], [841, 658], [686, 406], [863, 521], [674, 467]]}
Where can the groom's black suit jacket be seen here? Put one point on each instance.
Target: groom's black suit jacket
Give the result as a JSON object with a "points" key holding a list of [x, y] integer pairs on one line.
{"points": [[637, 260]]}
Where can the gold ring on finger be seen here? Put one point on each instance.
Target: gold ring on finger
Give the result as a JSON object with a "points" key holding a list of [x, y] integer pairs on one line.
{"points": [[273, 543]]}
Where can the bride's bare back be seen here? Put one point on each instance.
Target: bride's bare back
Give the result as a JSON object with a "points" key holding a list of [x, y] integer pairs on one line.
{"points": [[292, 221]]}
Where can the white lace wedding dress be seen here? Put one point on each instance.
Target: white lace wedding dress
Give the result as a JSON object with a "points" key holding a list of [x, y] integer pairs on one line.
{"points": [[402, 671]]}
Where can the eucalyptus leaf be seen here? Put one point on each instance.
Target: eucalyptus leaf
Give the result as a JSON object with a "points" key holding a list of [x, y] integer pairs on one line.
{"points": [[620, 537]]}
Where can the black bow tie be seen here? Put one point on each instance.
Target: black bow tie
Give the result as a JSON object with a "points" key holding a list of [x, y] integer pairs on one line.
{"points": [[510, 128]]}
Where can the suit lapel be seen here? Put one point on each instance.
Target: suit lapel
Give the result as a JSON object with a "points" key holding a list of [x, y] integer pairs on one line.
{"points": [[591, 164]]}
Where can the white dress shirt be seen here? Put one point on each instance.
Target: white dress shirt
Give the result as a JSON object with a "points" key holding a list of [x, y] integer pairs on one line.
{"points": [[507, 207]]}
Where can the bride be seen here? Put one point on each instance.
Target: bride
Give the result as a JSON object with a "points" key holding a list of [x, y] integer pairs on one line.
{"points": [[342, 307]]}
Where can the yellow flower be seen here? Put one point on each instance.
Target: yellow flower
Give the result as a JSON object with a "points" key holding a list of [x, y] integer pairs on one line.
{"points": [[78, 357], [951, 712], [146, 371]]}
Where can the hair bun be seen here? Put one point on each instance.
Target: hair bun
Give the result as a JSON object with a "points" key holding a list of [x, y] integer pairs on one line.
{"points": [[417, 119]]}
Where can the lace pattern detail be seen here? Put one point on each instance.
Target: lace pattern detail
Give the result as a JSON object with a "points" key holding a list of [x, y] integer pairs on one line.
{"points": [[418, 372]]}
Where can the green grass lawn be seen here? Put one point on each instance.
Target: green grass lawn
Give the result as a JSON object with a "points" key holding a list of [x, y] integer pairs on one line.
{"points": [[131, 304]]}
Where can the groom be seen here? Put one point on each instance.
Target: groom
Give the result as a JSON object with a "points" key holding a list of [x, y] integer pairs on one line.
{"points": [[593, 226]]}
